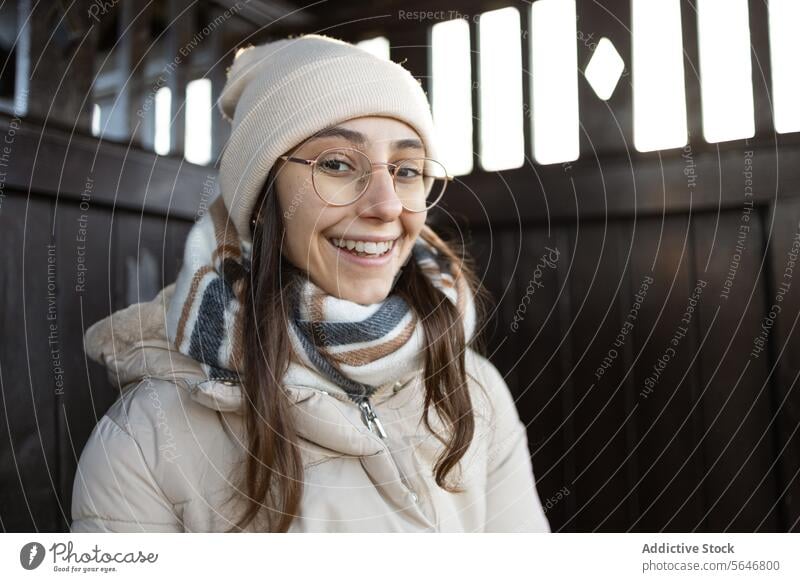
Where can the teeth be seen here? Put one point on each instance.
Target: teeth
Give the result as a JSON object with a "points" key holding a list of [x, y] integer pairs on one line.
{"points": [[364, 247]]}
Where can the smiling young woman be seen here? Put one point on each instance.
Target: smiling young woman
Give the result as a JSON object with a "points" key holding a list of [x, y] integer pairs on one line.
{"points": [[313, 367]]}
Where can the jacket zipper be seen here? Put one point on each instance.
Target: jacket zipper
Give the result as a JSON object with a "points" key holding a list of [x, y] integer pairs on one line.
{"points": [[373, 423], [370, 418], [368, 415]]}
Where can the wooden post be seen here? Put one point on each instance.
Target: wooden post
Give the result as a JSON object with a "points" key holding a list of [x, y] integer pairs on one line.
{"points": [[55, 78]]}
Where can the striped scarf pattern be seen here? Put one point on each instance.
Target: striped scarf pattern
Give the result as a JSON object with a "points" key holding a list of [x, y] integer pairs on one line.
{"points": [[358, 347]]}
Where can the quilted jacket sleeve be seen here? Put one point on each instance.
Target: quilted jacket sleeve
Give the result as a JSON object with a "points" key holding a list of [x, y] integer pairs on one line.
{"points": [[512, 501], [114, 489]]}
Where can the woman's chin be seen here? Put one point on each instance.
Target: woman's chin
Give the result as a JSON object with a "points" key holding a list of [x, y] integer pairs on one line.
{"points": [[364, 293]]}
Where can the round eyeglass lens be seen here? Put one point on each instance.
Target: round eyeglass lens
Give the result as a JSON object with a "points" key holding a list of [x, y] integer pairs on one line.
{"points": [[341, 175], [420, 183]]}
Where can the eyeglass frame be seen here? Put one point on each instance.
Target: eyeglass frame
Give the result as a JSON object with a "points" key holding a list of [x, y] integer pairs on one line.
{"points": [[313, 161]]}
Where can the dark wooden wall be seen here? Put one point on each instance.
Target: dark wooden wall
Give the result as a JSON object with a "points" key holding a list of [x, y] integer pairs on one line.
{"points": [[68, 199], [712, 447], [131, 227], [713, 444]]}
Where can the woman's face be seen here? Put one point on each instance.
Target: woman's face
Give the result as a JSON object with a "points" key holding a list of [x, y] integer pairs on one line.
{"points": [[378, 215]]}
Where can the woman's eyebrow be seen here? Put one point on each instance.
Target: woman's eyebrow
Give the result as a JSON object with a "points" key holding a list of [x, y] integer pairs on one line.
{"points": [[359, 139]]}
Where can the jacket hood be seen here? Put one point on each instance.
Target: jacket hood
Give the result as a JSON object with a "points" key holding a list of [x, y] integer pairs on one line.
{"points": [[132, 344]]}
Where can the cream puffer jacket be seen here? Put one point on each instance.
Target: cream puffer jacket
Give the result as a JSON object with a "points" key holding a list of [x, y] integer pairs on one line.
{"points": [[162, 457]]}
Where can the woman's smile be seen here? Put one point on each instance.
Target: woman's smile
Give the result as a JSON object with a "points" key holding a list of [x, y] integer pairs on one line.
{"points": [[363, 252]]}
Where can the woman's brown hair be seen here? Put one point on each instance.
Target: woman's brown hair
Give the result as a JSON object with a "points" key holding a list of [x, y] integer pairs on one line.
{"points": [[272, 477]]}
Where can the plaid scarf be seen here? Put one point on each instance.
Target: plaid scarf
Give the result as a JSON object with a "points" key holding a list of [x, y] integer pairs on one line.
{"points": [[358, 347]]}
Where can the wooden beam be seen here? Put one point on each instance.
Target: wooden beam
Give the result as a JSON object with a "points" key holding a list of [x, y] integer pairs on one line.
{"points": [[55, 70], [182, 18], [54, 163]]}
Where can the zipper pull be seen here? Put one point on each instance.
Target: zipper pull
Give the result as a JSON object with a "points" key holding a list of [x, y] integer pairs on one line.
{"points": [[370, 418]]}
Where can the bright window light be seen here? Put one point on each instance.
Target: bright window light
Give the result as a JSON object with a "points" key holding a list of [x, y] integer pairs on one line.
{"points": [[784, 21], [378, 46], [198, 122], [554, 83], [96, 112], [605, 69], [501, 135], [726, 87], [163, 121], [452, 94], [659, 91]]}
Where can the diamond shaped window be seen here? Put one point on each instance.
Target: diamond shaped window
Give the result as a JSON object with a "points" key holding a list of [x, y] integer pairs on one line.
{"points": [[604, 69]]}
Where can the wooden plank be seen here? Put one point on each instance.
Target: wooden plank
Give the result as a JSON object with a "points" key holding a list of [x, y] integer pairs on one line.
{"points": [[600, 415], [509, 256], [519, 352], [762, 67], [32, 357], [607, 126], [182, 15], [475, 58], [83, 253], [734, 393], [131, 51], [527, 77], [57, 73], [691, 75], [220, 57], [565, 239], [662, 343], [44, 163], [535, 338], [482, 249], [782, 228], [139, 268], [615, 187]]}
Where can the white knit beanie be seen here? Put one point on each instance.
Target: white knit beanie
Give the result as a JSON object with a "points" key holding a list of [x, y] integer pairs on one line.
{"points": [[281, 93]]}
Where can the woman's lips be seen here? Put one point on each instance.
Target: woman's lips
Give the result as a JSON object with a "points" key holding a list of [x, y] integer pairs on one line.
{"points": [[366, 261]]}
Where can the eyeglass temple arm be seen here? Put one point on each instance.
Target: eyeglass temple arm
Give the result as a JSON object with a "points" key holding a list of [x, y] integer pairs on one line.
{"points": [[298, 160]]}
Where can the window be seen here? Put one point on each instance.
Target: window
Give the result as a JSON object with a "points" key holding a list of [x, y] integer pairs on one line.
{"points": [[659, 91], [451, 88], [554, 83], [96, 118], [784, 20], [163, 104], [198, 122], [500, 89], [605, 69], [378, 46], [726, 87]]}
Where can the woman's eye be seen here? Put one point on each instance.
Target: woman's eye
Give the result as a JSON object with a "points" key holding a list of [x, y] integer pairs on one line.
{"points": [[336, 165], [408, 173]]}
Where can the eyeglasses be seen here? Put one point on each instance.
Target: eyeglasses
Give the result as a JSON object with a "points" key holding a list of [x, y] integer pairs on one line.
{"points": [[341, 176]]}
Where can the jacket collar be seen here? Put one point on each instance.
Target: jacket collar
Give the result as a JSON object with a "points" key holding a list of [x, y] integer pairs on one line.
{"points": [[132, 344]]}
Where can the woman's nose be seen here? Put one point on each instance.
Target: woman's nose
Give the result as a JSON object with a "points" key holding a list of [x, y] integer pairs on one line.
{"points": [[380, 200]]}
